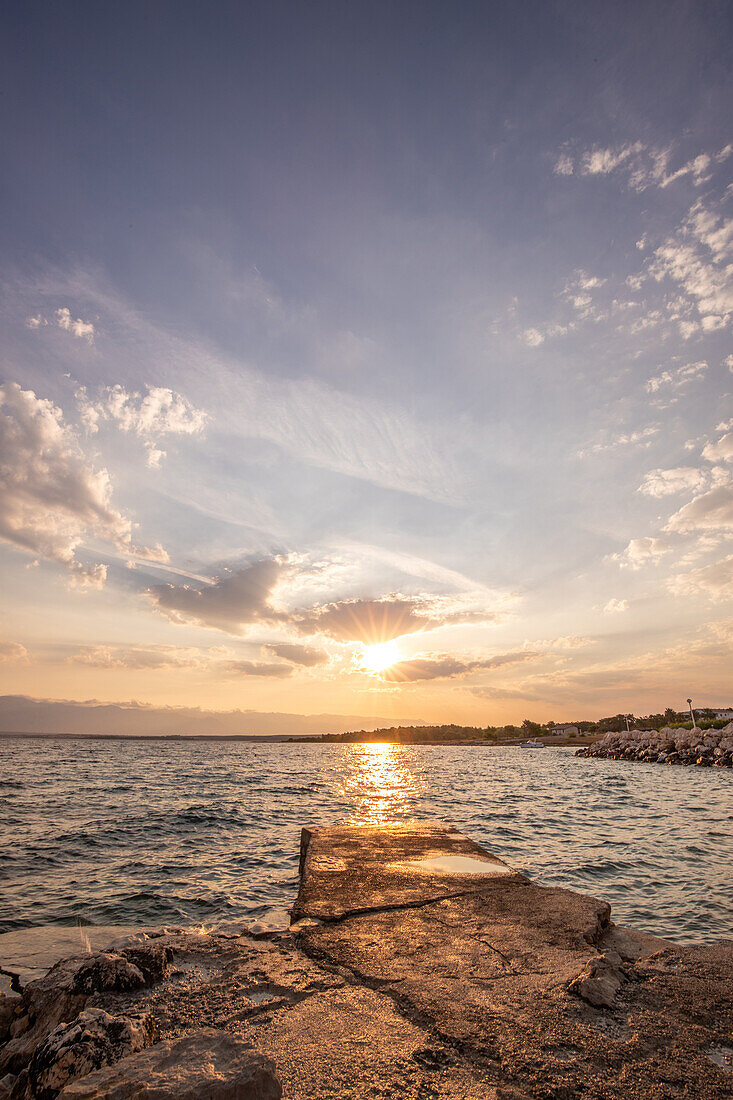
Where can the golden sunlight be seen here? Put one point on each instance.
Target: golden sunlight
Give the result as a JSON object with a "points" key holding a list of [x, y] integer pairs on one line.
{"points": [[375, 658]]}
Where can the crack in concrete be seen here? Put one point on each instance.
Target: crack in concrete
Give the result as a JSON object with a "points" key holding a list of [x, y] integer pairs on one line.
{"points": [[395, 907]]}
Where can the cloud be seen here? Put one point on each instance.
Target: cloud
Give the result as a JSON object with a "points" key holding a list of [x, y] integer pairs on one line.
{"points": [[533, 337], [10, 652], [372, 621], [257, 668], [157, 412], [143, 657], [721, 451], [711, 511], [83, 330], [643, 165], [564, 165], [678, 378], [663, 483], [52, 500], [697, 257], [641, 552], [444, 666], [616, 607], [229, 603], [297, 654], [715, 581], [625, 439]]}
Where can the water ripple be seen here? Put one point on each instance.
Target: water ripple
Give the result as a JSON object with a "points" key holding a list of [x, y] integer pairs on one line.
{"points": [[151, 833]]}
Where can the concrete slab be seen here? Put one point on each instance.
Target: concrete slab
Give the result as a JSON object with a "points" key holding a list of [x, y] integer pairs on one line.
{"points": [[347, 870], [414, 973]]}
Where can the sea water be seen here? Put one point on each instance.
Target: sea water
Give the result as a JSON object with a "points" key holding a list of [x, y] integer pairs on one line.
{"points": [[151, 833]]}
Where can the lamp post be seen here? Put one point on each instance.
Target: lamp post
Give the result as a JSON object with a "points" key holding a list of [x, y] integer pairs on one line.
{"points": [[627, 723], [692, 714]]}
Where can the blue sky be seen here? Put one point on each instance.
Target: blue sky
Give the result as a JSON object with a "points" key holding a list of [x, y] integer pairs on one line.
{"points": [[333, 326]]}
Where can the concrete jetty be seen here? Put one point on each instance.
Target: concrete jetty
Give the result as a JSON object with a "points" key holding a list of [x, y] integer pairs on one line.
{"points": [[417, 965]]}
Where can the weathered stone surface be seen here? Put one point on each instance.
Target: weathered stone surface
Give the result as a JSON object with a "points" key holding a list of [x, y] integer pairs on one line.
{"points": [[490, 973], [600, 980], [63, 992], [208, 1064], [494, 989], [92, 1039], [389, 866]]}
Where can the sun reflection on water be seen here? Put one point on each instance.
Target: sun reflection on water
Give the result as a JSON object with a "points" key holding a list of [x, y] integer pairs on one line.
{"points": [[379, 784]]}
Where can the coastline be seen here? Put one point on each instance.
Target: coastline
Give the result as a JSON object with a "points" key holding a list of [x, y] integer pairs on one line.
{"points": [[403, 971]]}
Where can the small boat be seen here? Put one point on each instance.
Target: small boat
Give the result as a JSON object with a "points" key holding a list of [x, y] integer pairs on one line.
{"points": [[533, 744]]}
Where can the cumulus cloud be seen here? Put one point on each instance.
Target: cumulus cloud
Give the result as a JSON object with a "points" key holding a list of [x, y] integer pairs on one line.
{"points": [[710, 511], [259, 593], [616, 607], [444, 666], [150, 415], [11, 652], [369, 621], [229, 603], [721, 451], [676, 378], [52, 500], [641, 552], [664, 483], [304, 655], [379, 620], [83, 330], [715, 581]]}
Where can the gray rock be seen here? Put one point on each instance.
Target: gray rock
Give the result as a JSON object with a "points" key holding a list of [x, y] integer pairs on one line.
{"points": [[92, 1040], [207, 1064], [599, 981], [63, 992]]}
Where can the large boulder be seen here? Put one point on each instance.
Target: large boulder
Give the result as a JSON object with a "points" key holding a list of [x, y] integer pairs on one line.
{"points": [[92, 1040], [207, 1063], [62, 993]]}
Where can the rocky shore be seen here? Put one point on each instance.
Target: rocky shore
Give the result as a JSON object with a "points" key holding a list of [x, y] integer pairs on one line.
{"points": [[703, 747], [417, 965]]}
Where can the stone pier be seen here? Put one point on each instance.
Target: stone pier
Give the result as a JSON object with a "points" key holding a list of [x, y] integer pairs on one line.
{"points": [[418, 965]]}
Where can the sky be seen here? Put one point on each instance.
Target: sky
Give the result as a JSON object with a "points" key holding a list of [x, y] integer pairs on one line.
{"points": [[366, 360]]}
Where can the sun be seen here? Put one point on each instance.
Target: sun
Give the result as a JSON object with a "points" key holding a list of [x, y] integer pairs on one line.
{"points": [[375, 658]]}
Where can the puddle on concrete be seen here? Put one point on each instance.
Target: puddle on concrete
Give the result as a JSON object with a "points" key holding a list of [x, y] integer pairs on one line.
{"points": [[721, 1056], [456, 865]]}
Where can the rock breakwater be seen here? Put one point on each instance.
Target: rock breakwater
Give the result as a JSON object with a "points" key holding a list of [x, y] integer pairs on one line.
{"points": [[702, 747]]}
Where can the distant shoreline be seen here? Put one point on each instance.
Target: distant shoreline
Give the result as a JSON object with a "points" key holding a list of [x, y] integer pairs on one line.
{"points": [[285, 739]]}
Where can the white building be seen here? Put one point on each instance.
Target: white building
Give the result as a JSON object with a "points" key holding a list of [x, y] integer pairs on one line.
{"points": [[723, 714], [564, 729]]}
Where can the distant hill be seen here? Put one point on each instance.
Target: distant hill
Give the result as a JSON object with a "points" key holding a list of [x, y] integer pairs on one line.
{"points": [[22, 714]]}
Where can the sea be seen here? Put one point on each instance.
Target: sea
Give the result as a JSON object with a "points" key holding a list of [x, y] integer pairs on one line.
{"points": [[99, 834]]}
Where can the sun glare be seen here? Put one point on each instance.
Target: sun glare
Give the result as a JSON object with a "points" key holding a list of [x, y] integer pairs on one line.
{"points": [[375, 658]]}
